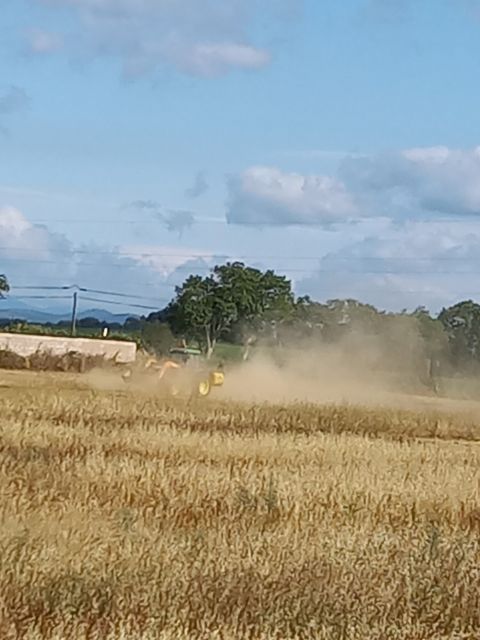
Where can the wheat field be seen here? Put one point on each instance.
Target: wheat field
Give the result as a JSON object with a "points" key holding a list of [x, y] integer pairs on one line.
{"points": [[126, 516]]}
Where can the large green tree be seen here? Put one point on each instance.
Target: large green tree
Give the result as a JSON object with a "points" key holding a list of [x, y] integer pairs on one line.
{"points": [[4, 287], [156, 337], [462, 325], [433, 333], [331, 320], [204, 308]]}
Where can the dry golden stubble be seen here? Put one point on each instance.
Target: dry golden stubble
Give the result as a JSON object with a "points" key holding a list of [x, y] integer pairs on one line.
{"points": [[125, 516]]}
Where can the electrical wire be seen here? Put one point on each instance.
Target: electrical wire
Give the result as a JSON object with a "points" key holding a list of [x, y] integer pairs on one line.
{"points": [[81, 289], [40, 298], [113, 294], [213, 255], [72, 287], [138, 306], [159, 222], [224, 221], [158, 303], [312, 270]]}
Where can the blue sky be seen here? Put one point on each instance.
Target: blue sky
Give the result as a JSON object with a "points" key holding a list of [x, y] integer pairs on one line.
{"points": [[335, 142]]}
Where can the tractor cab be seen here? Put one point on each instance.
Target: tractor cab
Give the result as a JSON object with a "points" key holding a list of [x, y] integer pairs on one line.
{"points": [[186, 356]]}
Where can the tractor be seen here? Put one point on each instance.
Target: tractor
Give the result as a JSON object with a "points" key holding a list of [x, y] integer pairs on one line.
{"points": [[184, 373]]}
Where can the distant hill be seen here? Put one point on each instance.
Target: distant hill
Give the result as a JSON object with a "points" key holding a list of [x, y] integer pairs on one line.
{"points": [[28, 314]]}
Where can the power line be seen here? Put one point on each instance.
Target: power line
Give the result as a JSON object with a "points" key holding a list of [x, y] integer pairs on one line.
{"points": [[157, 303], [77, 288], [41, 288], [116, 221], [82, 289], [116, 265], [456, 220], [40, 298], [212, 255], [14, 287], [114, 294], [125, 306], [311, 270], [161, 302], [138, 306]]}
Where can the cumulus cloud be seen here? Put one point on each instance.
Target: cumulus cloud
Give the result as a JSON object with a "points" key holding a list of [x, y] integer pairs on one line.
{"points": [[28, 250], [207, 38], [414, 182], [33, 255], [267, 196], [402, 266], [199, 187], [391, 265], [168, 261], [425, 180]]}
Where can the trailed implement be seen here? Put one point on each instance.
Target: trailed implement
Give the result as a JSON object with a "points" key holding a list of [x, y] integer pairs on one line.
{"points": [[184, 373]]}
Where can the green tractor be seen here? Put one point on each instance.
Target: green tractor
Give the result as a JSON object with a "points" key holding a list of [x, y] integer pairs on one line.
{"points": [[185, 373]]}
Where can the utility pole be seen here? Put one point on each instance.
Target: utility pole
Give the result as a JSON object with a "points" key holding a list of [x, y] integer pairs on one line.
{"points": [[74, 314]]}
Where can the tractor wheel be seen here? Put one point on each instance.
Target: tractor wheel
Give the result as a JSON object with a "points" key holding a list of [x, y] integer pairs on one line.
{"points": [[203, 388]]}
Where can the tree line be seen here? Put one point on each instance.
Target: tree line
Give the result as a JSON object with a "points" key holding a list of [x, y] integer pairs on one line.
{"points": [[243, 305]]}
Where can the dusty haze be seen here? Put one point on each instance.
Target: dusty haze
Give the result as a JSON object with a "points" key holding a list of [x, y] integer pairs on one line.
{"points": [[357, 370], [364, 369]]}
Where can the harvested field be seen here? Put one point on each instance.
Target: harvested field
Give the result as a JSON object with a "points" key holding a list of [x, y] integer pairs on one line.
{"points": [[125, 516]]}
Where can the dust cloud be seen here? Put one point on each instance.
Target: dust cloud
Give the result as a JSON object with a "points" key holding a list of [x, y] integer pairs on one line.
{"points": [[111, 379], [360, 369], [103, 379]]}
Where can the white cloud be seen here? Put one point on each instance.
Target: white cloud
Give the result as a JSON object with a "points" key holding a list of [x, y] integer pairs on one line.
{"points": [[18, 234], [31, 251], [168, 261], [417, 263], [388, 264], [206, 38], [427, 154], [268, 196], [419, 182], [434, 180], [33, 255], [12, 224]]}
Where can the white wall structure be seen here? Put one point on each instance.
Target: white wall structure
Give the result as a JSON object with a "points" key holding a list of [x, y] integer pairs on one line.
{"points": [[26, 345]]}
